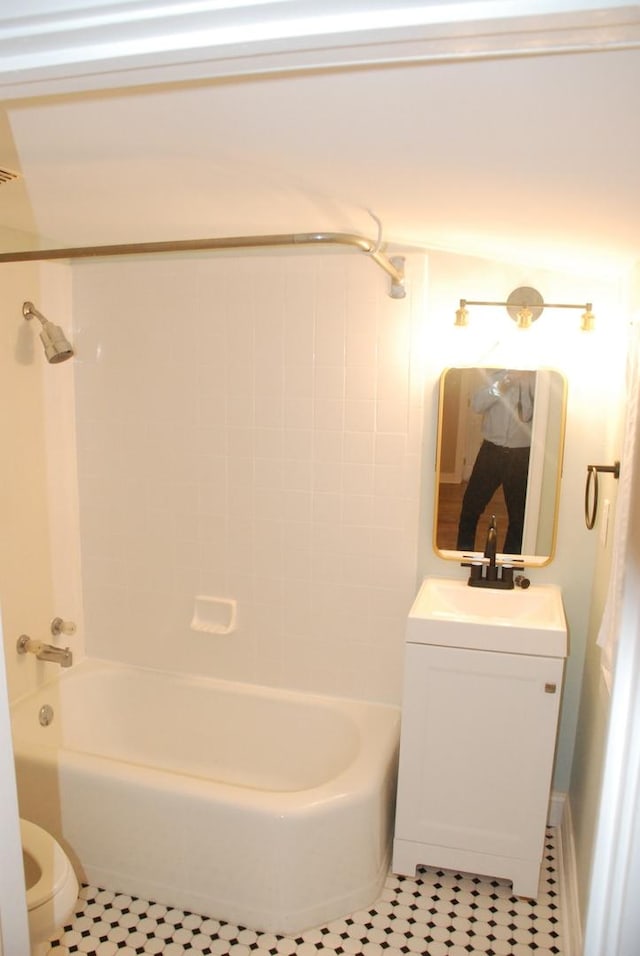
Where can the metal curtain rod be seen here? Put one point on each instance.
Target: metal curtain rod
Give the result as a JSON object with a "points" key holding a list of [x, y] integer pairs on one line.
{"points": [[393, 266]]}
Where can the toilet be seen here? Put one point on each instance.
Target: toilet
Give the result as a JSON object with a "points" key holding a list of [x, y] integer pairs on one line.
{"points": [[51, 884]]}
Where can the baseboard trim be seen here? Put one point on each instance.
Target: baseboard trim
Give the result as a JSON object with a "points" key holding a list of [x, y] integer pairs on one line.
{"points": [[572, 942], [556, 808]]}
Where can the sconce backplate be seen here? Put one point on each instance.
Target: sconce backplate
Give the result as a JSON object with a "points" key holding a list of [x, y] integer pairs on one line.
{"points": [[525, 296]]}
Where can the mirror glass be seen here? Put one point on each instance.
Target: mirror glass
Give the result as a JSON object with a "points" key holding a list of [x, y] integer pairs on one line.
{"points": [[499, 452]]}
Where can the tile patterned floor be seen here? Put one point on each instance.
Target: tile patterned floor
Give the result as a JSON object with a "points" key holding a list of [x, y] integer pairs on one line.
{"points": [[440, 913]]}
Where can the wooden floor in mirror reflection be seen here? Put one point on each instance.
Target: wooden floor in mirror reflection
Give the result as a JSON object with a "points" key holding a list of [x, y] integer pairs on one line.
{"points": [[450, 497]]}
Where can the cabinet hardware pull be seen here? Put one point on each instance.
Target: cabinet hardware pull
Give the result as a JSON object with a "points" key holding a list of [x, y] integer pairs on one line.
{"points": [[549, 688]]}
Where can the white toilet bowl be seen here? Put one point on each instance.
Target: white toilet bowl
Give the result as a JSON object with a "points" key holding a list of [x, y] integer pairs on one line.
{"points": [[52, 887]]}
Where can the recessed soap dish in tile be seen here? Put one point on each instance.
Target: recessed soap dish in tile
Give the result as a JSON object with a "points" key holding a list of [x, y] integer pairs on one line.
{"points": [[214, 615]]}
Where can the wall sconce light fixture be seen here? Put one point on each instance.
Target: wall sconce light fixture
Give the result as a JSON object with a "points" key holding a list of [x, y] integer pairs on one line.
{"points": [[524, 306]]}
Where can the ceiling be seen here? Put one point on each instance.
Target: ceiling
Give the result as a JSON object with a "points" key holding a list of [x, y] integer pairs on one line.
{"points": [[515, 155]]}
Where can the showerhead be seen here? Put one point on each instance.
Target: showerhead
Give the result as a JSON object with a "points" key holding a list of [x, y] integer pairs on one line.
{"points": [[56, 346]]}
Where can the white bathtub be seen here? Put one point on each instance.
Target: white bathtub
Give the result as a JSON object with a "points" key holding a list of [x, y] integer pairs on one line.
{"points": [[265, 808]]}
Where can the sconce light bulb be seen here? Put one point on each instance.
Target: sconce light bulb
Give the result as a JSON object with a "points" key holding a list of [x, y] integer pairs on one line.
{"points": [[588, 320], [525, 315], [462, 316]]}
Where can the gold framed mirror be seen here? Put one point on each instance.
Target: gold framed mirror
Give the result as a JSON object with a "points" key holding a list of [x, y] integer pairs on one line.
{"points": [[500, 448]]}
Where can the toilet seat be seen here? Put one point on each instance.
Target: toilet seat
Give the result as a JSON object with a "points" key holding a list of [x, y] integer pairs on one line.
{"points": [[50, 859], [52, 896]]}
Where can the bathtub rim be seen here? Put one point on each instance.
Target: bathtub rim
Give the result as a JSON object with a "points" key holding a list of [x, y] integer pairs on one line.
{"points": [[359, 776]]}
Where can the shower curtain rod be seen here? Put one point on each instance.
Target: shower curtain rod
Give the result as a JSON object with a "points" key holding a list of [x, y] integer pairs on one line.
{"points": [[392, 265]]}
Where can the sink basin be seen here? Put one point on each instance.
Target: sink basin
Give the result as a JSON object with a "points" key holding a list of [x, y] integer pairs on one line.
{"points": [[451, 614]]}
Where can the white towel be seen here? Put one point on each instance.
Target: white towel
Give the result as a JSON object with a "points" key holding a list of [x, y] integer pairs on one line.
{"points": [[608, 632]]}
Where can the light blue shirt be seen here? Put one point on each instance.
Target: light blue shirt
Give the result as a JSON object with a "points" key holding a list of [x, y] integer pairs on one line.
{"points": [[506, 407]]}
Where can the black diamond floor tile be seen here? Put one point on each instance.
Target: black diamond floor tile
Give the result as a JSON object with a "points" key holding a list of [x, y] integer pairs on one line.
{"points": [[438, 913]]}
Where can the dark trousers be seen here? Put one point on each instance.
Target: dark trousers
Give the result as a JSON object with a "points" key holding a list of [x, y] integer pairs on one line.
{"points": [[493, 467]]}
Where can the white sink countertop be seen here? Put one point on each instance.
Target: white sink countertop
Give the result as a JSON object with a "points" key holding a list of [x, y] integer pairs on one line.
{"points": [[449, 613]]}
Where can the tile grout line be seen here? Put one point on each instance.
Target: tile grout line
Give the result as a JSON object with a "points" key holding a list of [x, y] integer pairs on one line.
{"points": [[437, 913]]}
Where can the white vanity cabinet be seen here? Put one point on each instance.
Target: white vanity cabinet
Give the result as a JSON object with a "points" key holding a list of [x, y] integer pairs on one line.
{"points": [[477, 749]]}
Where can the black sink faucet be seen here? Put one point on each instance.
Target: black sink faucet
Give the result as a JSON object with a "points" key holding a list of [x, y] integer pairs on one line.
{"points": [[490, 547], [495, 576]]}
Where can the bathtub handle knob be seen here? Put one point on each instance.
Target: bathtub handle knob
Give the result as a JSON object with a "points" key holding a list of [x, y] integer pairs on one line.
{"points": [[58, 626]]}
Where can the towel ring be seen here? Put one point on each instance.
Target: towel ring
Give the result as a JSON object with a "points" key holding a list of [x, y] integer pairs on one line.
{"points": [[591, 490]]}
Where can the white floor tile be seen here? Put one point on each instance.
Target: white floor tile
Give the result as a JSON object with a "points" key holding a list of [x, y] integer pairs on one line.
{"points": [[438, 913]]}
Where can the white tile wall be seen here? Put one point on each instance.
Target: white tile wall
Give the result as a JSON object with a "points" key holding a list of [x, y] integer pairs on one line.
{"points": [[249, 427], [39, 576]]}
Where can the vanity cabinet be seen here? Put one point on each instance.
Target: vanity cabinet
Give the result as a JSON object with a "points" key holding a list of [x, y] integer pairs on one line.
{"points": [[476, 758]]}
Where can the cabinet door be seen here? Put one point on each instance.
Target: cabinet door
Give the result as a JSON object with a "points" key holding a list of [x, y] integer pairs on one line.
{"points": [[477, 749]]}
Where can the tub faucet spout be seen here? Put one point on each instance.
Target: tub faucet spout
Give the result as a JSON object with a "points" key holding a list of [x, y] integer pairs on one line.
{"points": [[45, 652]]}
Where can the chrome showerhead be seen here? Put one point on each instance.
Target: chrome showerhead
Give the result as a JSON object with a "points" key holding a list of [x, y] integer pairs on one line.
{"points": [[56, 346]]}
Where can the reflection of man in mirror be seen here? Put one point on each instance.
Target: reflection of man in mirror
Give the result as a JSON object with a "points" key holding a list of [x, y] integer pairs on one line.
{"points": [[506, 406]]}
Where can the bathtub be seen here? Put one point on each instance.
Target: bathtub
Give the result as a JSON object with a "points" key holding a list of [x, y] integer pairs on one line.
{"points": [[265, 808]]}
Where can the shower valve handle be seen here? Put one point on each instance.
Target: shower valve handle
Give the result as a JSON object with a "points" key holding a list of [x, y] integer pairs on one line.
{"points": [[58, 626]]}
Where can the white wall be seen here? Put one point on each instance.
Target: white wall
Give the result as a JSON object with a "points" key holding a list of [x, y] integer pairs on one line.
{"points": [[25, 565], [13, 910], [589, 751], [593, 722], [28, 593], [39, 562], [249, 428]]}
